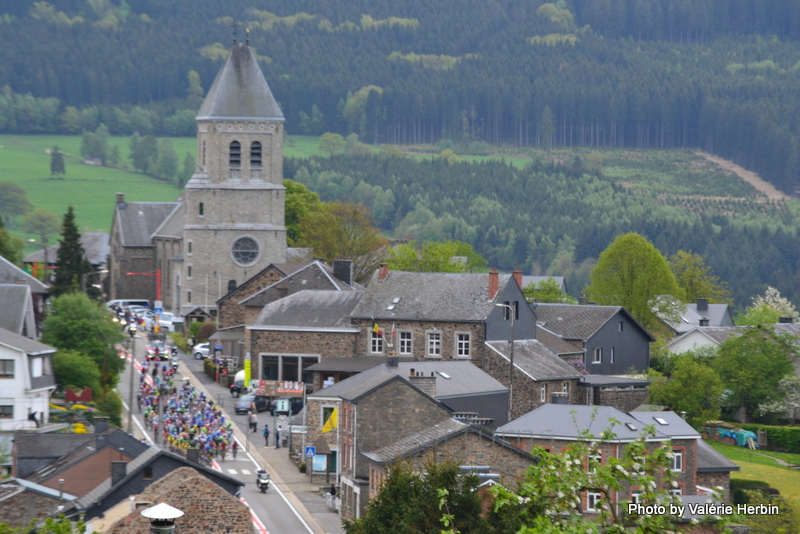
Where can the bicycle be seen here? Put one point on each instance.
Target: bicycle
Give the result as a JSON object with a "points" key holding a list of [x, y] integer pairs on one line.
{"points": [[235, 450]]}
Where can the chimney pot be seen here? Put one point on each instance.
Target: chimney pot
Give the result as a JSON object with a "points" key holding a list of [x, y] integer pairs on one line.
{"points": [[383, 271], [518, 276], [702, 304], [120, 198], [704, 321], [411, 373], [494, 283]]}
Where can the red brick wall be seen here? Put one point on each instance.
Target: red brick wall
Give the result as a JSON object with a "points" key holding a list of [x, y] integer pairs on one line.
{"points": [[86, 475]]}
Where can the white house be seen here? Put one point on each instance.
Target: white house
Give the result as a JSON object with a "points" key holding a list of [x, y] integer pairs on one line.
{"points": [[26, 381]]}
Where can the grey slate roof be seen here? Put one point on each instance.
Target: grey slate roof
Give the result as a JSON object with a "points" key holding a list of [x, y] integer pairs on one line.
{"points": [[284, 269], [41, 490], [535, 360], [314, 275], [138, 221], [11, 274], [105, 487], [608, 380], [37, 450], [23, 343], [358, 385], [464, 379], [717, 315], [711, 461], [95, 245], [311, 309], [574, 321], [172, 225], [417, 442], [556, 343], [240, 90], [429, 296], [16, 307], [557, 421]]}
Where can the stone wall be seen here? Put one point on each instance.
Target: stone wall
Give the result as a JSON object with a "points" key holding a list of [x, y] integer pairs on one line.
{"points": [[623, 400], [325, 344], [714, 480], [233, 314]]}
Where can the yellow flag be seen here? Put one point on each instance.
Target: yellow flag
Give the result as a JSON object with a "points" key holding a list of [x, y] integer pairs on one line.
{"points": [[332, 422]]}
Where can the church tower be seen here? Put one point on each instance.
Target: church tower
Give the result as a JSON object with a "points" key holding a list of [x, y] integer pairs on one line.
{"points": [[234, 204]]}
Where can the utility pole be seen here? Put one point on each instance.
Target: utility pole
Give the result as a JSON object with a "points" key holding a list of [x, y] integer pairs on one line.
{"points": [[132, 332]]}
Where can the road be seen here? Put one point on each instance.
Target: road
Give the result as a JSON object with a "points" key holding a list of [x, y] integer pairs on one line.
{"points": [[272, 512]]}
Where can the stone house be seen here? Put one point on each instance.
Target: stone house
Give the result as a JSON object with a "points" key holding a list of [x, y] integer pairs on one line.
{"points": [[375, 408], [612, 339], [206, 506], [623, 393], [555, 427], [454, 441]]}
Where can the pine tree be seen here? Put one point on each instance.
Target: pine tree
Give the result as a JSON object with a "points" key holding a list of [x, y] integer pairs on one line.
{"points": [[71, 261]]}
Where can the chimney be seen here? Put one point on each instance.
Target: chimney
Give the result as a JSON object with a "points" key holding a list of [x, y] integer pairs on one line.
{"points": [[119, 470], [392, 361], [120, 198], [383, 272], [100, 424], [704, 321], [343, 270], [282, 290], [702, 304], [785, 320], [494, 283], [517, 274], [427, 384], [193, 455]]}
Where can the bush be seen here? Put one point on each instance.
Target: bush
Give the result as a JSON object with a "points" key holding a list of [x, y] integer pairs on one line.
{"points": [[73, 369], [740, 487], [206, 330], [210, 368], [780, 438], [194, 328], [109, 403], [180, 341]]}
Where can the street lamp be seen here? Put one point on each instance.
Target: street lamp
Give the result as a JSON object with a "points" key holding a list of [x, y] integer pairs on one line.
{"points": [[512, 312], [132, 333]]}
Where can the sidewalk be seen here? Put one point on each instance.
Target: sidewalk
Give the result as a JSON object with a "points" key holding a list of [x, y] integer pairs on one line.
{"points": [[306, 498]]}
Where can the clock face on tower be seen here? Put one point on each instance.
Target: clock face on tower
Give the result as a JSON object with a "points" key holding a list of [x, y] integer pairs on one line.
{"points": [[245, 251]]}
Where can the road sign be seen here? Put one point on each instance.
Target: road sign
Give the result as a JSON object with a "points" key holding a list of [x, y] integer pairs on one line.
{"points": [[159, 311], [311, 452]]}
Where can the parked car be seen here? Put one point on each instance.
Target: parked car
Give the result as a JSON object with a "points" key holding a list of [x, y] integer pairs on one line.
{"points": [[242, 406], [200, 351]]}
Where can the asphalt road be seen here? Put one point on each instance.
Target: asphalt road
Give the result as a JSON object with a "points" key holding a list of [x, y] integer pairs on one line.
{"points": [[272, 512]]}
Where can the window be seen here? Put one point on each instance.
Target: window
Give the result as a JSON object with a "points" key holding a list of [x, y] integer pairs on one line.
{"points": [[405, 342], [189, 296], [636, 496], [593, 502], [612, 355], [506, 310], [434, 344], [188, 271], [327, 411], [676, 492], [201, 209], [676, 462], [235, 155], [231, 285], [147, 473], [188, 247], [204, 154], [565, 388], [245, 251], [6, 368], [516, 310], [255, 155], [375, 343], [598, 356], [594, 459], [621, 326], [543, 394], [36, 367], [462, 345], [6, 412]]}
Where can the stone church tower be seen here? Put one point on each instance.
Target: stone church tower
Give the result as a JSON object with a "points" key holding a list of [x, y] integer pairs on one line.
{"points": [[234, 204]]}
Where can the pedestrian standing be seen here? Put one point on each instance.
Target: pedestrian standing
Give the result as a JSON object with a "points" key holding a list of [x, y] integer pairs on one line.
{"points": [[266, 435], [278, 437], [253, 419]]}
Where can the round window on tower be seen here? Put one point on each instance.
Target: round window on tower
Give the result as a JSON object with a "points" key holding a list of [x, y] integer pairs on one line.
{"points": [[245, 251]]}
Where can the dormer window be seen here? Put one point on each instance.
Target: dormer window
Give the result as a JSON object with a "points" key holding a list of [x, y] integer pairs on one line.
{"points": [[255, 155], [235, 155]]}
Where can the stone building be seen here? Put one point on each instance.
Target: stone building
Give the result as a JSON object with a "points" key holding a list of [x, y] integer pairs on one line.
{"points": [[22, 501], [229, 223]]}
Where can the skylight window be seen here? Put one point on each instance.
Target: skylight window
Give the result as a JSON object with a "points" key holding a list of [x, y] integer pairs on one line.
{"points": [[631, 426], [390, 307], [444, 375], [395, 300], [661, 421]]}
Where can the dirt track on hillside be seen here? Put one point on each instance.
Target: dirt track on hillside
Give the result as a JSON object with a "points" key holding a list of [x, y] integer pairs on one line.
{"points": [[748, 176]]}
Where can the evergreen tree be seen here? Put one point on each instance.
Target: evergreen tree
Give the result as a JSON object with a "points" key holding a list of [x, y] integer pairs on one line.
{"points": [[57, 162], [10, 247], [71, 261]]}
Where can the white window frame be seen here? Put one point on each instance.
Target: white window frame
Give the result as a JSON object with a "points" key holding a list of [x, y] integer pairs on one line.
{"points": [[463, 345], [636, 496], [592, 498], [543, 393], [433, 344], [408, 342], [597, 356], [676, 462], [375, 343], [565, 387], [593, 458], [676, 492]]}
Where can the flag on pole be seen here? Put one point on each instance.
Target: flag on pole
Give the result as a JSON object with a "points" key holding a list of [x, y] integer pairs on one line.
{"points": [[332, 422], [376, 329]]}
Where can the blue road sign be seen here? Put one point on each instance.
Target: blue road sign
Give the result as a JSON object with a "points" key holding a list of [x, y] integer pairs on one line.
{"points": [[158, 311], [311, 452]]}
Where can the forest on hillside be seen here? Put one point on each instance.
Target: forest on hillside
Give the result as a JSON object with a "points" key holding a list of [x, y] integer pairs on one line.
{"points": [[720, 75]]}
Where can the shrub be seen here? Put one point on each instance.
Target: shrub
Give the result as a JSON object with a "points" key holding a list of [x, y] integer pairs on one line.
{"points": [[780, 438], [740, 487], [109, 403], [180, 341], [210, 368], [193, 329], [206, 330]]}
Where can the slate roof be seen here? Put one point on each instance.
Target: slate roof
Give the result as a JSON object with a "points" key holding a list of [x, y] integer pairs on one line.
{"points": [[354, 388], [138, 221], [465, 378], [556, 343], [284, 269], [172, 225], [310, 309], [608, 380], [717, 315], [557, 421], [95, 245], [535, 360], [32, 451], [23, 343], [355, 364], [297, 281], [429, 296], [17, 306], [574, 321], [711, 461], [11, 274], [12, 486], [240, 90], [417, 442]]}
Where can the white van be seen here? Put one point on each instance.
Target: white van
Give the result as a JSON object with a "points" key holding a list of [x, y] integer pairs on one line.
{"points": [[124, 303]]}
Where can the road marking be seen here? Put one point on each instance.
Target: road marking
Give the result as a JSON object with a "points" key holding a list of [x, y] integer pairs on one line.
{"points": [[232, 471], [245, 472], [256, 521]]}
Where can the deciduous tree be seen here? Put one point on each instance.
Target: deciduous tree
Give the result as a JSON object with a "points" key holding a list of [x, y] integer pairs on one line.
{"points": [[768, 309], [632, 273], [73, 369], [42, 224], [300, 202], [332, 143], [694, 388], [547, 291], [436, 257], [10, 247], [13, 201], [57, 162], [696, 279]]}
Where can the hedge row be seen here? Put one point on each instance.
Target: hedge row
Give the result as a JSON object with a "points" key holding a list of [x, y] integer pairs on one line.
{"points": [[781, 438], [740, 487], [210, 368]]}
